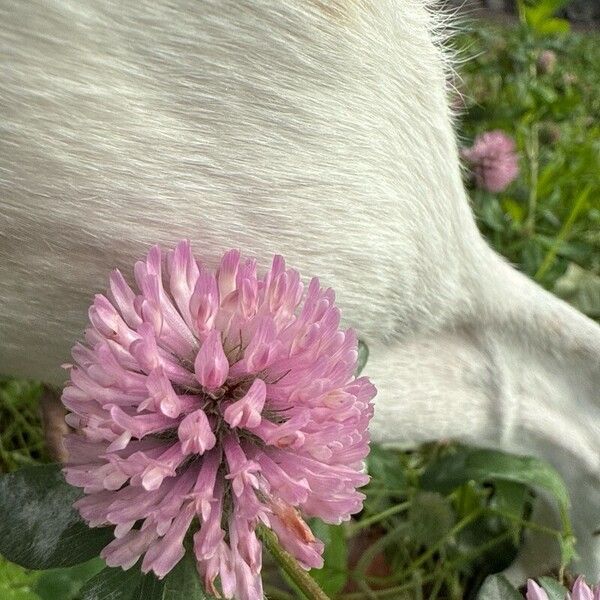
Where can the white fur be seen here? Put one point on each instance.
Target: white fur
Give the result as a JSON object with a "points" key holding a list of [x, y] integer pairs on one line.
{"points": [[317, 129]]}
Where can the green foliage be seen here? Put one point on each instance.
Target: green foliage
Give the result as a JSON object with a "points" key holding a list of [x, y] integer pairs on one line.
{"points": [[465, 464], [581, 288], [446, 517], [440, 519], [540, 19], [431, 518], [21, 438], [497, 587], [332, 577], [112, 584], [363, 357], [66, 583], [16, 583], [550, 217], [39, 528], [483, 466], [182, 583], [553, 589]]}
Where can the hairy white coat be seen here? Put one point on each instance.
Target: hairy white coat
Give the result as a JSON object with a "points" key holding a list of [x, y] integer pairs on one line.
{"points": [[317, 129]]}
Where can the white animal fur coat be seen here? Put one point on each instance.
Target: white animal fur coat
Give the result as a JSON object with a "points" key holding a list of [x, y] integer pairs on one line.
{"points": [[318, 129]]}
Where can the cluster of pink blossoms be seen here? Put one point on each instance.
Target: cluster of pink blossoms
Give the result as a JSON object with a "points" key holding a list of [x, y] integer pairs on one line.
{"points": [[210, 403], [580, 591], [493, 160]]}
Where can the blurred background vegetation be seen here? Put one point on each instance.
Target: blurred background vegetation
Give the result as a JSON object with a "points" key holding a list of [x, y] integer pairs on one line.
{"points": [[539, 82], [440, 518]]}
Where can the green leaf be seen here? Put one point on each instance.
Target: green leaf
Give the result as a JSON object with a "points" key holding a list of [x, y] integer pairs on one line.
{"points": [[553, 589], [385, 468], [497, 587], [332, 577], [183, 582], [468, 499], [487, 465], [39, 528], [483, 466], [363, 357], [514, 209], [541, 20], [580, 288], [431, 518], [150, 588], [554, 27], [66, 583], [16, 583], [112, 584], [510, 498]]}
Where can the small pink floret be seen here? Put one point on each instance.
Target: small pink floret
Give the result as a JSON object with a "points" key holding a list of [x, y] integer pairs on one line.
{"points": [[211, 365], [247, 411], [215, 400]]}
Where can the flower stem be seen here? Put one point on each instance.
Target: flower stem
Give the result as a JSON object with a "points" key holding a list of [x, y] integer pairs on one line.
{"points": [[533, 151], [307, 585]]}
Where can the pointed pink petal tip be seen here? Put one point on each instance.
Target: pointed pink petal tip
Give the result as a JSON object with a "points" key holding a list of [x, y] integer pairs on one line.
{"points": [[211, 365]]}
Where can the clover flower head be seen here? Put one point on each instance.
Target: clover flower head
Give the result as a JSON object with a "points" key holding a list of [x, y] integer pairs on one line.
{"points": [[546, 62], [206, 403], [493, 161]]}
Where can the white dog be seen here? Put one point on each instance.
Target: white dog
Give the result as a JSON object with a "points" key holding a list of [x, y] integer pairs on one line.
{"points": [[318, 129]]}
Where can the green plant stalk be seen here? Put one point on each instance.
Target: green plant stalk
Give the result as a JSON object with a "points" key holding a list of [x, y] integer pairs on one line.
{"points": [[524, 523], [521, 11], [403, 575], [394, 591], [307, 585], [274, 593], [564, 233], [393, 510], [533, 150], [456, 529], [369, 555], [389, 593]]}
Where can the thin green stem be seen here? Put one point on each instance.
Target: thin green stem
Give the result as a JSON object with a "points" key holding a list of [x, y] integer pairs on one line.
{"points": [[384, 514], [479, 550], [564, 233], [384, 491], [433, 549], [371, 552], [521, 11], [524, 522], [306, 584], [406, 573], [447, 568], [439, 580], [533, 150], [274, 593], [387, 593]]}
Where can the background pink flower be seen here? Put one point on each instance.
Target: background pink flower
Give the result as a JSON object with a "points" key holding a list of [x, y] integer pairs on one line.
{"points": [[212, 402], [580, 591], [546, 61], [493, 160]]}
